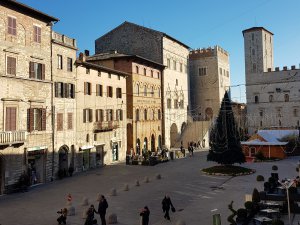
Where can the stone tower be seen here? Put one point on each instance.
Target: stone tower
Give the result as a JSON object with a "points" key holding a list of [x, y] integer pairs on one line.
{"points": [[258, 43]]}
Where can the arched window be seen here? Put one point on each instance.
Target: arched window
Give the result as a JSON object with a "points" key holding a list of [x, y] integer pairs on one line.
{"points": [[270, 98], [137, 69], [153, 114], [137, 115], [159, 114], [279, 123], [256, 99], [145, 90], [159, 92], [137, 89], [151, 73], [152, 91], [286, 98], [145, 114]]}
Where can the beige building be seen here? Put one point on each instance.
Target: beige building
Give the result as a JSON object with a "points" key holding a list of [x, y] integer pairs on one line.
{"points": [[25, 76], [101, 114], [64, 103], [144, 103], [272, 94], [209, 79], [132, 39]]}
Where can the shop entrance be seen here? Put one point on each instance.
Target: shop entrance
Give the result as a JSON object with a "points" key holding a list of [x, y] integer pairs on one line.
{"points": [[63, 160], [115, 152], [99, 155], [86, 159], [36, 166]]}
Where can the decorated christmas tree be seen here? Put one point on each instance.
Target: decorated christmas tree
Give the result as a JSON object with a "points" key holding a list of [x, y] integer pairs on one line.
{"points": [[224, 142]]}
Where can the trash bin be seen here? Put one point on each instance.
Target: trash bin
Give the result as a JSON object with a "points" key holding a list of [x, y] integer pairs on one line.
{"points": [[171, 155]]}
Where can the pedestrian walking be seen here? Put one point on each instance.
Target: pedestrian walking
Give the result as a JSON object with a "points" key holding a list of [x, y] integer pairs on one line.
{"points": [[166, 206], [62, 219], [90, 216], [102, 209], [145, 213]]}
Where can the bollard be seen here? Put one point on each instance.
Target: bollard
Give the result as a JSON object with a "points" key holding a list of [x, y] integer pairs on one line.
{"points": [[158, 176], [137, 183], [126, 187], [146, 179], [113, 192], [112, 218]]}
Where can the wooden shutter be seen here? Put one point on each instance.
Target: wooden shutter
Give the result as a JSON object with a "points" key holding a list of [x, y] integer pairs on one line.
{"points": [[90, 115], [101, 90], [90, 88], [11, 65], [70, 121], [31, 70], [9, 26], [43, 71], [84, 115], [97, 115], [10, 120], [84, 91], [107, 91], [60, 122], [121, 114], [56, 89], [73, 90], [30, 119], [66, 90], [97, 90], [44, 119], [112, 114]]}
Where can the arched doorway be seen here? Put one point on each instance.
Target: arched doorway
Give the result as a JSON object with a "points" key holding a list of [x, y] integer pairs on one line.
{"points": [[159, 141], [138, 146], [63, 160], [145, 146], [129, 137], [209, 113], [152, 143], [173, 135]]}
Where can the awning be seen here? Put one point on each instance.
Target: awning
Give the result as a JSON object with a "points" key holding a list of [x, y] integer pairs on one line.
{"points": [[36, 148]]}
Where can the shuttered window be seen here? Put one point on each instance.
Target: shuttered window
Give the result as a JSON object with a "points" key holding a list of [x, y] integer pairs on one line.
{"points": [[99, 115], [119, 114], [87, 115], [59, 62], [109, 115], [10, 119], [119, 93], [87, 88], [37, 31], [70, 121], [109, 91], [36, 119], [60, 122], [69, 64], [11, 64], [36, 71], [12, 26], [99, 90]]}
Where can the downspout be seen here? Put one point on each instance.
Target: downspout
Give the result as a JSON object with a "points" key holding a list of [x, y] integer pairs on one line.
{"points": [[162, 94]]}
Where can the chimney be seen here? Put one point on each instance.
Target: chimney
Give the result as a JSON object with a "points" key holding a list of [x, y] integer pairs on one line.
{"points": [[285, 68], [87, 52], [81, 57], [293, 67], [276, 68]]}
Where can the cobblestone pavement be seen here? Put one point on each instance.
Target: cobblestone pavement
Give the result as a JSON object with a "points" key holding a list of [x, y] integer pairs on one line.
{"points": [[195, 195]]}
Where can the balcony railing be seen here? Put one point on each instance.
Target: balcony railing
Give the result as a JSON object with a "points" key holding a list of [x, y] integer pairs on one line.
{"points": [[12, 137], [106, 125]]}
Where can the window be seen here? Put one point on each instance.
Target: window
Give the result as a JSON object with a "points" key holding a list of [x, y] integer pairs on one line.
{"points": [[169, 103], [99, 90], [87, 88], [202, 71], [12, 26], [145, 90], [11, 119], [87, 71], [153, 114], [137, 69], [270, 98], [220, 71], [261, 112], [60, 122], [145, 71], [119, 77], [109, 115], [158, 114], [99, 115], [109, 91], [119, 92], [36, 71], [181, 103], [174, 64], [36, 119], [159, 92], [137, 89], [59, 62], [176, 82], [279, 112], [180, 67], [286, 97], [11, 65], [109, 75], [119, 114], [59, 89], [69, 64], [261, 123], [227, 72], [37, 34], [137, 115], [279, 122], [295, 112], [253, 68], [99, 73], [145, 114], [151, 73], [175, 103], [87, 115], [64, 90], [158, 75], [70, 121], [168, 63], [152, 92], [256, 100], [71, 90]]}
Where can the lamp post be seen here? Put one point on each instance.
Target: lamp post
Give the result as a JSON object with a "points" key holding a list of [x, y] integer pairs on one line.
{"points": [[299, 168], [286, 185]]}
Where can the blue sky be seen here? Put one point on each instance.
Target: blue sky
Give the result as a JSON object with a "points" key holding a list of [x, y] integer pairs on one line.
{"points": [[196, 23]]}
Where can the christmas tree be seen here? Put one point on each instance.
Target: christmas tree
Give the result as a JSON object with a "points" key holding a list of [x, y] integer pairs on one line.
{"points": [[224, 142]]}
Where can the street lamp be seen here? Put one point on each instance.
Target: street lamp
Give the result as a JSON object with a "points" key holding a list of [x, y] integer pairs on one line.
{"points": [[299, 168], [286, 185]]}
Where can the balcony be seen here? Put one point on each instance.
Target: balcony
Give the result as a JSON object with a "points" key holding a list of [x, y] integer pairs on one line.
{"points": [[12, 137], [105, 126]]}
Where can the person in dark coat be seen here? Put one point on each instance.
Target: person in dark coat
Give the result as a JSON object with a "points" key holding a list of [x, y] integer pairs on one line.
{"points": [[90, 216], [145, 213], [62, 219], [102, 209], [166, 205]]}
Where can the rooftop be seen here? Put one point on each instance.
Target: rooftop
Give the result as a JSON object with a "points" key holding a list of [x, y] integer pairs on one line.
{"points": [[256, 28]]}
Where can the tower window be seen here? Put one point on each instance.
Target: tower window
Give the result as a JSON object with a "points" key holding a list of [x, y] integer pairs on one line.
{"points": [[256, 100]]}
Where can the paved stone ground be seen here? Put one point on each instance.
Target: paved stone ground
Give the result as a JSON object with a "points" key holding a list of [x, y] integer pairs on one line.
{"points": [[195, 195]]}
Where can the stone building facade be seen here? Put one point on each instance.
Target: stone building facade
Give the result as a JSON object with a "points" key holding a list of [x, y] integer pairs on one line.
{"points": [[132, 39], [209, 79], [64, 103], [273, 98], [101, 114], [144, 104], [25, 75]]}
